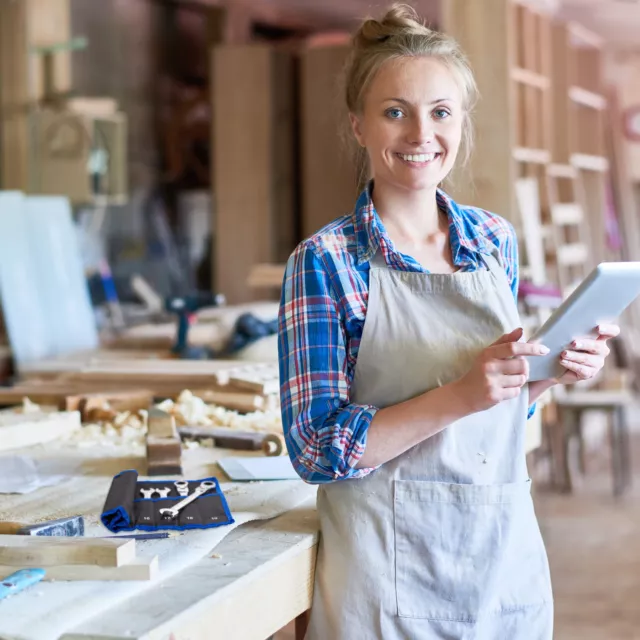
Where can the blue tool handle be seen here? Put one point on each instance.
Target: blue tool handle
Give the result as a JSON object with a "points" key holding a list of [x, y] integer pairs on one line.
{"points": [[20, 580]]}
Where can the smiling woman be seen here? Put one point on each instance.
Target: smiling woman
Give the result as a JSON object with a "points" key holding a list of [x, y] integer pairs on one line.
{"points": [[404, 383]]}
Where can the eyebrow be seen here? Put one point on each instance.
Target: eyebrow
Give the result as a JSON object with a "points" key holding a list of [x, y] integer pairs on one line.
{"points": [[405, 102]]}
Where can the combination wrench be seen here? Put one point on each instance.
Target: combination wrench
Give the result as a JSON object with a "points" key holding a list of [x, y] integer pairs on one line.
{"points": [[172, 512]]}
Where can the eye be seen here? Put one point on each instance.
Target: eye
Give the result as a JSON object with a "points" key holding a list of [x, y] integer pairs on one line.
{"points": [[394, 113], [441, 113]]}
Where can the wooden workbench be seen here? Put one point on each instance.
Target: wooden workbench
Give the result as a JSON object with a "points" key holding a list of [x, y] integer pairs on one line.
{"points": [[257, 580]]}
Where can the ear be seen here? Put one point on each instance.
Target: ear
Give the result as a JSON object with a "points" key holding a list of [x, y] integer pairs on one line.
{"points": [[356, 126]]}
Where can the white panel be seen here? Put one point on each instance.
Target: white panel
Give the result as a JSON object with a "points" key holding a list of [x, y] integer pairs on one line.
{"points": [[44, 290]]}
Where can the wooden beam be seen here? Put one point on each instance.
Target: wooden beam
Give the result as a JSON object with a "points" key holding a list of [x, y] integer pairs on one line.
{"points": [[19, 430], [484, 33], [252, 97], [138, 569], [530, 78], [49, 551]]}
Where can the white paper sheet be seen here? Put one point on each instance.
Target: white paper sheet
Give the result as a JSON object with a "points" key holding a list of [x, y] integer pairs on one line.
{"points": [[250, 469]]}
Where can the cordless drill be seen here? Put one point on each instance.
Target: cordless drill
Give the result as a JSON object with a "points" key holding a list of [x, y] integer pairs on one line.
{"points": [[185, 307]]}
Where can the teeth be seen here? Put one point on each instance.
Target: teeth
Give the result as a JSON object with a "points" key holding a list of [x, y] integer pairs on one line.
{"points": [[423, 157]]}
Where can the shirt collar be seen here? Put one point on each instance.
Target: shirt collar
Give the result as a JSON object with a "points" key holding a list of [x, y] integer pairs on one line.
{"points": [[467, 239]]}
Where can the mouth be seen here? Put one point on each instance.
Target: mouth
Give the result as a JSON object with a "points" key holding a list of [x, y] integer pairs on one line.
{"points": [[419, 159]]}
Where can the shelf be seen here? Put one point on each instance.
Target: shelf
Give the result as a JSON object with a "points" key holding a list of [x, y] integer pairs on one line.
{"points": [[530, 78], [587, 98], [562, 171], [535, 156], [572, 254], [581, 36], [566, 213], [590, 163]]}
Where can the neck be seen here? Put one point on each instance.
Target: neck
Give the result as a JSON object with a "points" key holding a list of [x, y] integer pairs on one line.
{"points": [[412, 214]]}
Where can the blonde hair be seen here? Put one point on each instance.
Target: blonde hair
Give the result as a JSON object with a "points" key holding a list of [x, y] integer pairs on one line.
{"points": [[401, 33]]}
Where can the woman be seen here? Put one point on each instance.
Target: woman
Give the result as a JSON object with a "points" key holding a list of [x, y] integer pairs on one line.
{"points": [[404, 387]]}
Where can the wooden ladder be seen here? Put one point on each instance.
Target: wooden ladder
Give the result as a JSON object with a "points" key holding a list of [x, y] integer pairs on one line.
{"points": [[569, 234]]}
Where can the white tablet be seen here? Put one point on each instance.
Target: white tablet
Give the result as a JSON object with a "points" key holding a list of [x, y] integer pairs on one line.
{"points": [[601, 298]]}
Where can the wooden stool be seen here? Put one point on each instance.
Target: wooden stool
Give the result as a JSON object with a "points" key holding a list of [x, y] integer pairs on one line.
{"points": [[570, 407]]}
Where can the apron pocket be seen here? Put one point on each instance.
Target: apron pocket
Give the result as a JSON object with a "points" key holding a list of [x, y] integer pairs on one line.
{"points": [[462, 550]]}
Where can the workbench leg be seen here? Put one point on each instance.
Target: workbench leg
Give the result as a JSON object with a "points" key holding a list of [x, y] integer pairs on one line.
{"points": [[561, 436], [302, 622], [620, 454]]}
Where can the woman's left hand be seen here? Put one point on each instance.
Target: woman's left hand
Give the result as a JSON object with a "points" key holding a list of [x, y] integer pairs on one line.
{"points": [[585, 357]]}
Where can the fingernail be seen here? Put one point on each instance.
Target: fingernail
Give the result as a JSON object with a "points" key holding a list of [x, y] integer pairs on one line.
{"points": [[577, 344], [543, 350]]}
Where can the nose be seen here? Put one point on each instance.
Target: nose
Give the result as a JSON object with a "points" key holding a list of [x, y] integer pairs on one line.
{"points": [[421, 130]]}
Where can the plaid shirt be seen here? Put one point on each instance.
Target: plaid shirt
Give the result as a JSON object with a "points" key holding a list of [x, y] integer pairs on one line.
{"points": [[322, 313]]}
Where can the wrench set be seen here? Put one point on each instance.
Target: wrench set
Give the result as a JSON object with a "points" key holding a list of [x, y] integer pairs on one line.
{"points": [[164, 504]]}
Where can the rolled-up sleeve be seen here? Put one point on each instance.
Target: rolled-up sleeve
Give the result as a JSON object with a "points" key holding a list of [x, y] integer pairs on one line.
{"points": [[325, 432]]}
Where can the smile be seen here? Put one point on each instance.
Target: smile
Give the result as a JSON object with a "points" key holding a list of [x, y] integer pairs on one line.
{"points": [[422, 158]]}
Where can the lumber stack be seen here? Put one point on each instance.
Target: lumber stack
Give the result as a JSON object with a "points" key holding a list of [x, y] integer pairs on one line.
{"points": [[242, 387], [76, 558]]}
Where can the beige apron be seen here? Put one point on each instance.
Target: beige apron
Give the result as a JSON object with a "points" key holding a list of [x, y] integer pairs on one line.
{"points": [[442, 542]]}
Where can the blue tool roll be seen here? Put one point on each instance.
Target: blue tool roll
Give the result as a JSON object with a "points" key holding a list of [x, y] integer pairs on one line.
{"points": [[126, 508]]}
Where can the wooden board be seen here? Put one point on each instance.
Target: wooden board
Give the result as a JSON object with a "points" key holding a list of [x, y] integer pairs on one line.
{"points": [[49, 551], [26, 24], [482, 29], [329, 180], [24, 430], [252, 98], [137, 569], [268, 568]]}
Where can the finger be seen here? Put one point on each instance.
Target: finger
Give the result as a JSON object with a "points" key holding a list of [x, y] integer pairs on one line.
{"points": [[514, 381], [514, 349], [514, 336], [583, 372], [588, 359], [510, 367], [588, 345], [608, 331]]}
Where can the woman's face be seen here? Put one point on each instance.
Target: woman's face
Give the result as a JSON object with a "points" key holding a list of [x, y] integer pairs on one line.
{"points": [[411, 123]]}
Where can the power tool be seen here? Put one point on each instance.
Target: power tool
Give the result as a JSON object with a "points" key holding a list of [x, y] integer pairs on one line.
{"points": [[185, 307]]}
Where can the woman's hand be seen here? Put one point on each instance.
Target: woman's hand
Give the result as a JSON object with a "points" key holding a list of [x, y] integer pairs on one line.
{"points": [[586, 356], [499, 372]]}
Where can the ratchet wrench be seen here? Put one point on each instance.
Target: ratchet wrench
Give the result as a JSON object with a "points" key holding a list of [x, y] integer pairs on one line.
{"points": [[172, 512]]}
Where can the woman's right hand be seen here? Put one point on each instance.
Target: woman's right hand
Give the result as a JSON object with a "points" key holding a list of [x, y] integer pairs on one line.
{"points": [[499, 372]]}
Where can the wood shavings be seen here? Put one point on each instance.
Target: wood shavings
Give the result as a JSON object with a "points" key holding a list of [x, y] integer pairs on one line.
{"points": [[125, 430], [193, 411]]}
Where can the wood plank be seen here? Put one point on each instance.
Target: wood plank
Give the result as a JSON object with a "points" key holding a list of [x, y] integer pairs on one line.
{"points": [[530, 78], [483, 31], [49, 551], [268, 567], [572, 254], [252, 97], [329, 180], [14, 95], [590, 162], [535, 156], [528, 197], [582, 36], [266, 275], [24, 430], [562, 171], [560, 83], [587, 98], [567, 213], [237, 400], [138, 569]]}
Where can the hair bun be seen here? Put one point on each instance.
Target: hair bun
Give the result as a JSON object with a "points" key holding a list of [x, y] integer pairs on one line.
{"points": [[400, 19]]}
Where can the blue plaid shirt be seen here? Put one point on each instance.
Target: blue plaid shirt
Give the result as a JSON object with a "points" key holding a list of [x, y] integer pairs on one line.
{"points": [[322, 313]]}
